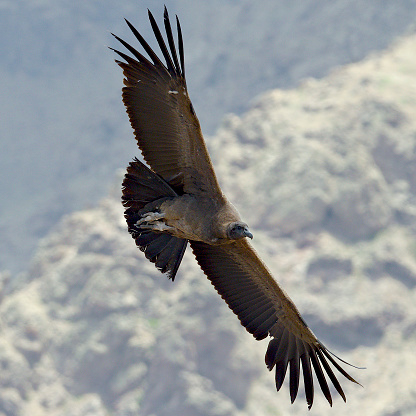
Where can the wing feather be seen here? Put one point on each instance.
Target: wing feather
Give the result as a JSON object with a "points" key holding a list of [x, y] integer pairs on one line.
{"points": [[294, 373], [162, 45], [180, 42], [145, 46], [331, 374], [162, 116], [263, 308], [172, 47], [320, 375], [134, 51], [307, 378]]}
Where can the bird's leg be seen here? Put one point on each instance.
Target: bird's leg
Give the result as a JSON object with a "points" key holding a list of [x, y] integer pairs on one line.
{"points": [[153, 221], [150, 217], [157, 226]]}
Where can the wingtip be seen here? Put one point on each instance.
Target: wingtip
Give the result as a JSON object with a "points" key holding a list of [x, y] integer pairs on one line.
{"points": [[180, 45], [343, 361], [328, 354], [131, 27], [150, 15], [329, 401], [178, 25], [129, 24]]}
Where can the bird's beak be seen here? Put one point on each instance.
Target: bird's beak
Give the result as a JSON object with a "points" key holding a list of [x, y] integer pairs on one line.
{"points": [[248, 234]]}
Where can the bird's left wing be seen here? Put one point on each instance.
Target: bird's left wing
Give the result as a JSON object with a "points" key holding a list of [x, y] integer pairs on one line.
{"points": [[165, 125], [263, 308]]}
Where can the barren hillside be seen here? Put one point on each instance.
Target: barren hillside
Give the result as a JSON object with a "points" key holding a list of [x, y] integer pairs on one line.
{"points": [[325, 176]]}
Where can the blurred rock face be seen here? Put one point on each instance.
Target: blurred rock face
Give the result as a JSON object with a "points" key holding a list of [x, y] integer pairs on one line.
{"points": [[325, 176], [63, 127], [336, 153]]}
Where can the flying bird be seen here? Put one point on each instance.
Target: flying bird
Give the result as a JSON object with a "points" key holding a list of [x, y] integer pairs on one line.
{"points": [[177, 199]]}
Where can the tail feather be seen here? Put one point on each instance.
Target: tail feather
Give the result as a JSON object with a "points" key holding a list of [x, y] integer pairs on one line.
{"points": [[142, 188], [167, 259], [157, 246]]}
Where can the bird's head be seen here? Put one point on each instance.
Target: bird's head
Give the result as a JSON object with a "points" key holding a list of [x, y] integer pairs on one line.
{"points": [[237, 230]]}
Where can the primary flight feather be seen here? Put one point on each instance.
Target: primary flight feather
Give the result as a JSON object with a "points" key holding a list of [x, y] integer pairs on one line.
{"points": [[178, 199]]}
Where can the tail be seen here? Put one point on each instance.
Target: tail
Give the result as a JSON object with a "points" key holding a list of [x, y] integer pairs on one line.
{"points": [[143, 188]]}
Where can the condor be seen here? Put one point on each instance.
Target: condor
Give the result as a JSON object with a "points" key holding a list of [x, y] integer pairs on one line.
{"points": [[178, 199]]}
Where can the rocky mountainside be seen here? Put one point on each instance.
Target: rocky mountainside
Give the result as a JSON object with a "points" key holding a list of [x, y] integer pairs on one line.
{"points": [[63, 128], [325, 175]]}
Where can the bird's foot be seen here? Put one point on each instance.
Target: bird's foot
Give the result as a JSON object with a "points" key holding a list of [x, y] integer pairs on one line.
{"points": [[157, 226], [150, 217], [153, 221]]}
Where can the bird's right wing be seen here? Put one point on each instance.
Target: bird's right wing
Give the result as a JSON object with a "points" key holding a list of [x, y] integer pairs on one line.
{"points": [[263, 308]]}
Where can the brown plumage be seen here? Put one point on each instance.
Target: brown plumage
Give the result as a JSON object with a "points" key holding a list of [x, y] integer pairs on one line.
{"points": [[179, 200]]}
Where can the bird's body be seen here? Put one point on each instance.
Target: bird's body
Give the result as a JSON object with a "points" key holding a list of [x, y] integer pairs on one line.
{"points": [[186, 215], [178, 200]]}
